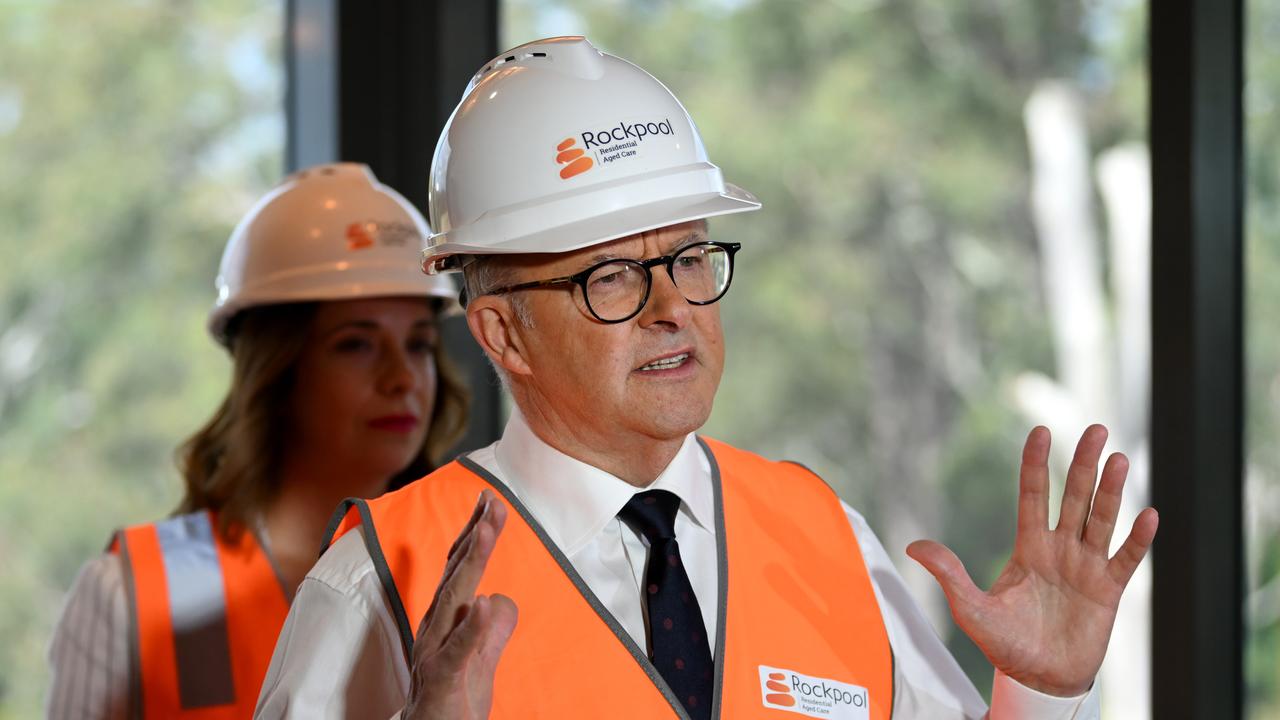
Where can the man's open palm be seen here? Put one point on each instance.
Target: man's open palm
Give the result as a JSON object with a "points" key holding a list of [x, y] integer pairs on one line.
{"points": [[1047, 619]]}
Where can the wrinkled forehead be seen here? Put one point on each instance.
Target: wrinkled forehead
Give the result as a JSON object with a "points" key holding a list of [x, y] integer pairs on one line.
{"points": [[650, 243]]}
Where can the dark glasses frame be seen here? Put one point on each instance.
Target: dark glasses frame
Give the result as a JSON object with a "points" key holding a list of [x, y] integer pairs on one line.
{"points": [[580, 278]]}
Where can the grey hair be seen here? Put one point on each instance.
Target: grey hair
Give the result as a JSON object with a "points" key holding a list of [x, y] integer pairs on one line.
{"points": [[486, 272]]}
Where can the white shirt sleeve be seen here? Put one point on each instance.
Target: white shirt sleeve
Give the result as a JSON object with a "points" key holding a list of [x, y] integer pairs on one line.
{"points": [[89, 653], [339, 653], [927, 680]]}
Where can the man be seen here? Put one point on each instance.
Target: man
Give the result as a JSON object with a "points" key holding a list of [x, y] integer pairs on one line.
{"points": [[655, 573]]}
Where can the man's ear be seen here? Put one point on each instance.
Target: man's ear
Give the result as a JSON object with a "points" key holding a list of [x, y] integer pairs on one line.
{"points": [[494, 325]]}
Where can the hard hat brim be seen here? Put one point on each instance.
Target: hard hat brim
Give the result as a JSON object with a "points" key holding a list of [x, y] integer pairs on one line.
{"points": [[220, 316], [599, 229]]}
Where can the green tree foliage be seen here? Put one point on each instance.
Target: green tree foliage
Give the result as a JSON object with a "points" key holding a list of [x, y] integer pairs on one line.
{"points": [[133, 134], [1262, 399]]}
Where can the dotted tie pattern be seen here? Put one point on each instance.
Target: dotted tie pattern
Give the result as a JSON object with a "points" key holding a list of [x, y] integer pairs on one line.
{"points": [[678, 643]]}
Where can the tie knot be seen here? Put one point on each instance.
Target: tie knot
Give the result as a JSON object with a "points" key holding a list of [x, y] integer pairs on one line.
{"points": [[652, 513]]}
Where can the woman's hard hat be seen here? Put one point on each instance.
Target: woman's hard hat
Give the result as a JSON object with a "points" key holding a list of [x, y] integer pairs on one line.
{"points": [[329, 232], [557, 146]]}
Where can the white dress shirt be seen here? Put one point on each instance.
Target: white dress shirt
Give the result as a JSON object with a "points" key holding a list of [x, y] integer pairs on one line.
{"points": [[339, 654]]}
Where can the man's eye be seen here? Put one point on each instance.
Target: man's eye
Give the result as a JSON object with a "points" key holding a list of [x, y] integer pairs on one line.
{"points": [[611, 278]]}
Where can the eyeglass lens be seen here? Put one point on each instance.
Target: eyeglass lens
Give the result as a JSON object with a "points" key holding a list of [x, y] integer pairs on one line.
{"points": [[616, 290]]}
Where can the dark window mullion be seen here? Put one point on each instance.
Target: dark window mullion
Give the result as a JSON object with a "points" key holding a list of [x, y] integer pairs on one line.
{"points": [[1197, 375], [374, 82]]}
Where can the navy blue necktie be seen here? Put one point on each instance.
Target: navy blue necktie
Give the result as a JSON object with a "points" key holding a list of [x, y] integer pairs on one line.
{"points": [[677, 638]]}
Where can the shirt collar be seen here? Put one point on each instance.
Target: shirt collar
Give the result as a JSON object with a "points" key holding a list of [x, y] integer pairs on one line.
{"points": [[575, 501]]}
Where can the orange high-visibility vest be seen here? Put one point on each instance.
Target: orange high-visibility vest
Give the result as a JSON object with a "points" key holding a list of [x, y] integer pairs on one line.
{"points": [[799, 626], [205, 616]]}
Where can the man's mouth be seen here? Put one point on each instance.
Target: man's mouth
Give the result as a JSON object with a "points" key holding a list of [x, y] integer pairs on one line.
{"points": [[667, 363]]}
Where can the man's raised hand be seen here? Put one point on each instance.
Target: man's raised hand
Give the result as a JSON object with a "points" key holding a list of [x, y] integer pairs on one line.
{"points": [[1047, 619], [461, 638]]}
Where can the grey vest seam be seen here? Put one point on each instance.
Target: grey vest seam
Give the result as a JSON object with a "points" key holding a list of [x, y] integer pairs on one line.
{"points": [[722, 552], [380, 566]]}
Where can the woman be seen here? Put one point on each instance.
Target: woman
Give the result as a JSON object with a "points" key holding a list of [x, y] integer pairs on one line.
{"points": [[339, 389]]}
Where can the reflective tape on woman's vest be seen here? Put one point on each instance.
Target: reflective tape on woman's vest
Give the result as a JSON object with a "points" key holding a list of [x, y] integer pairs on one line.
{"points": [[205, 614], [799, 627]]}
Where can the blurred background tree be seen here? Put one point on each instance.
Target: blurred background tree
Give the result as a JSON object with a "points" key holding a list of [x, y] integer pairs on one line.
{"points": [[1262, 358], [134, 135]]}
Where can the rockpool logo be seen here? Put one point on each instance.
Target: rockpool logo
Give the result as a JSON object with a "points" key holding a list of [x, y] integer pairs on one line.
{"points": [[573, 159], [607, 145], [636, 132], [789, 690], [359, 236], [364, 235]]}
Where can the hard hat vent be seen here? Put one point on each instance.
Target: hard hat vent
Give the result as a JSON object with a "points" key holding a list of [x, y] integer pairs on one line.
{"points": [[505, 60], [572, 54], [510, 58]]}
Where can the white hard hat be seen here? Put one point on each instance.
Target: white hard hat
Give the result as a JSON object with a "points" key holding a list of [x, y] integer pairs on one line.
{"points": [[557, 146], [329, 232]]}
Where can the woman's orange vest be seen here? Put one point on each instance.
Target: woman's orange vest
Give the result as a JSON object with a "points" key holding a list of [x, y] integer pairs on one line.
{"points": [[799, 627], [205, 616]]}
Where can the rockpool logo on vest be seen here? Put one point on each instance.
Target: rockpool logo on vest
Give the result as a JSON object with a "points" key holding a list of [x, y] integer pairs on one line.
{"points": [[789, 690], [607, 145]]}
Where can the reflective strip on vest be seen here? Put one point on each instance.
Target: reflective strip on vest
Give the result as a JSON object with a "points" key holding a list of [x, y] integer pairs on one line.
{"points": [[205, 614], [197, 611]]}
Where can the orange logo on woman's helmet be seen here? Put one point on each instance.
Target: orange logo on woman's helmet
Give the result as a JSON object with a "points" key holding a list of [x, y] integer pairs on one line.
{"points": [[577, 162], [359, 235]]}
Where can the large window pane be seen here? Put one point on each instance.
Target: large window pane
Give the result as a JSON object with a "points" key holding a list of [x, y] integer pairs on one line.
{"points": [[954, 246], [133, 133]]}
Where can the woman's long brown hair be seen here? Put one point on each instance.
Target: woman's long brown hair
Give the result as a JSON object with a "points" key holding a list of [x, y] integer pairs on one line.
{"points": [[232, 464]]}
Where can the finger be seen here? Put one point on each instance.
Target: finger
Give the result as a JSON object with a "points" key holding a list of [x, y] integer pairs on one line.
{"points": [[1135, 546], [456, 552], [456, 591], [1033, 484], [447, 666], [481, 503], [502, 623], [464, 539], [467, 537], [427, 640], [1080, 480], [1106, 504], [947, 569]]}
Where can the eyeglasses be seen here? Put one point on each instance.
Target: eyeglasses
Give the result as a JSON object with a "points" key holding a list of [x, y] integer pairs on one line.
{"points": [[616, 290]]}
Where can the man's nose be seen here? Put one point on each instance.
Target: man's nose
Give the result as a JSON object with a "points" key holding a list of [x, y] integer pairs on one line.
{"points": [[666, 303]]}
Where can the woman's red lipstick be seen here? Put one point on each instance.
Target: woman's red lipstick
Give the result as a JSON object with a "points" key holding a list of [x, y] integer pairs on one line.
{"points": [[395, 423]]}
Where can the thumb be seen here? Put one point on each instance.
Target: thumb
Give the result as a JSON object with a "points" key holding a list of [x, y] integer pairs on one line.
{"points": [[947, 569], [503, 616]]}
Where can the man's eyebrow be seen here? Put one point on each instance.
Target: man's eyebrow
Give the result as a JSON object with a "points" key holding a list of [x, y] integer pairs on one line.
{"points": [[693, 236]]}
